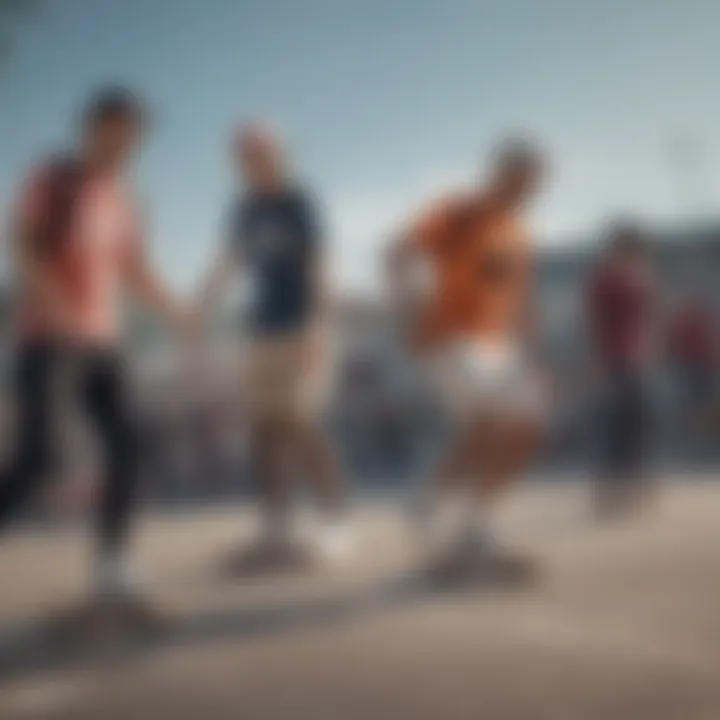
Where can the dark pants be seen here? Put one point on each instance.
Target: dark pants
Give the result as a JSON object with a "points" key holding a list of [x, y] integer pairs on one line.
{"points": [[96, 379], [625, 424], [697, 384]]}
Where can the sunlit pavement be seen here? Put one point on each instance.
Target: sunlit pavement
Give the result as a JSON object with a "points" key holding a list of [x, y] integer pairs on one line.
{"points": [[624, 624]]}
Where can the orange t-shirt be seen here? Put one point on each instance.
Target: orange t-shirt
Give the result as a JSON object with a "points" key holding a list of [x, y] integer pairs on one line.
{"points": [[482, 263]]}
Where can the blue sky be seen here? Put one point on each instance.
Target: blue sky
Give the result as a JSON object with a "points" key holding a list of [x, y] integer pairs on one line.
{"points": [[385, 103]]}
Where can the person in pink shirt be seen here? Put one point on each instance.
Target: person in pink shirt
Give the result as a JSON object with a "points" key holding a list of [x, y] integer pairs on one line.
{"points": [[79, 248]]}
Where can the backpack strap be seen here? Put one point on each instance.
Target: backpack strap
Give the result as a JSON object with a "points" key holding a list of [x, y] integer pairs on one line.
{"points": [[66, 176]]}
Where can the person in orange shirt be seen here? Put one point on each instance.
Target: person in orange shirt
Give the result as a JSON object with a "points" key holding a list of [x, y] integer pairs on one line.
{"points": [[461, 276]]}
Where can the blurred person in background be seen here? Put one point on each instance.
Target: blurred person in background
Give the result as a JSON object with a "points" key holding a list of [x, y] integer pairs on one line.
{"points": [[275, 236], [622, 320], [472, 327], [694, 351], [79, 243]]}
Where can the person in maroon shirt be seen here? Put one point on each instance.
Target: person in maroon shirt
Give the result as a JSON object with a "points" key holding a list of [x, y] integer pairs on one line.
{"points": [[621, 316]]}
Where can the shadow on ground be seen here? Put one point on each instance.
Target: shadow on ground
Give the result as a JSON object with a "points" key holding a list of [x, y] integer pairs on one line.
{"points": [[39, 647]]}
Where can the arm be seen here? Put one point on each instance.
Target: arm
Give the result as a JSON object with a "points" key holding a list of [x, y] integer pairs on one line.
{"points": [[531, 320], [398, 257], [421, 240], [321, 288], [216, 283], [149, 288], [226, 264], [323, 296], [324, 290], [412, 260]]}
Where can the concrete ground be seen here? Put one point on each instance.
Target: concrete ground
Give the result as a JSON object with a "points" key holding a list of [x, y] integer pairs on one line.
{"points": [[624, 624]]}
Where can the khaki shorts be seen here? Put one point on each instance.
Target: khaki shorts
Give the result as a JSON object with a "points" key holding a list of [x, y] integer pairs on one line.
{"points": [[488, 377], [283, 376]]}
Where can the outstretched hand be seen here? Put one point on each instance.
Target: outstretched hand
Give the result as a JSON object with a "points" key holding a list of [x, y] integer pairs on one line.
{"points": [[188, 323], [192, 347]]}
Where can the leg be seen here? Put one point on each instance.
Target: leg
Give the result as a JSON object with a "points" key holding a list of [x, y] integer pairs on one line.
{"points": [[507, 433], [265, 392], [304, 370], [445, 505], [638, 425], [609, 438], [459, 461], [509, 444], [321, 466], [500, 434], [311, 451], [318, 459], [33, 457], [107, 400], [269, 449], [624, 437]]}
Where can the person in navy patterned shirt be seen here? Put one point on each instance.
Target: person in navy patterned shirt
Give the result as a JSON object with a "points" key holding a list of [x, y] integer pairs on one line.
{"points": [[275, 236]]}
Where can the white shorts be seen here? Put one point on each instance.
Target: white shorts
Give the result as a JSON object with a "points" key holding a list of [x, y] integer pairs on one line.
{"points": [[488, 377]]}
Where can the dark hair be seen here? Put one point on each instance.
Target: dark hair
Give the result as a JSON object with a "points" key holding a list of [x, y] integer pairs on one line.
{"points": [[111, 103], [519, 152], [627, 237]]}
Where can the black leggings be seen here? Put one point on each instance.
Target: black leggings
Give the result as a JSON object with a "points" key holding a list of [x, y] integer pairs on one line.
{"points": [[627, 421], [44, 372]]}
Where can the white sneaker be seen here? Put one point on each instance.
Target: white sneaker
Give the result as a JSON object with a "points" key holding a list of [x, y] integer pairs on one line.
{"points": [[443, 523], [335, 539], [277, 530], [474, 545], [115, 580]]}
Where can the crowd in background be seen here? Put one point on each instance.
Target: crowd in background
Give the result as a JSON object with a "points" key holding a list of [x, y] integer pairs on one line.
{"points": [[196, 443], [387, 422]]}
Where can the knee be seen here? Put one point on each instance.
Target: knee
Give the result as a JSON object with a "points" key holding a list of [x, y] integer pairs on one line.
{"points": [[272, 428], [33, 462]]}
